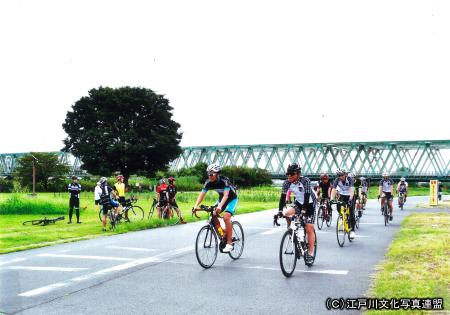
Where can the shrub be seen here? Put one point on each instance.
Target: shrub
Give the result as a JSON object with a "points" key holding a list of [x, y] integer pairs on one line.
{"points": [[6, 185], [16, 204]]}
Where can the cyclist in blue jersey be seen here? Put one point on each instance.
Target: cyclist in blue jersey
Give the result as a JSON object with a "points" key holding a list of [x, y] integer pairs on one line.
{"points": [[227, 200]]}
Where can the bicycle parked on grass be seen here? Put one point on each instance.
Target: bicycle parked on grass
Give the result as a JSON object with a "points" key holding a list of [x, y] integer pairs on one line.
{"points": [[324, 213], [130, 211], [43, 221], [294, 245], [211, 239], [343, 222]]}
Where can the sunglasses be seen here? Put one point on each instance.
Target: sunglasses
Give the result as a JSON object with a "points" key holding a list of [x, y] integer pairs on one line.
{"points": [[211, 174]]}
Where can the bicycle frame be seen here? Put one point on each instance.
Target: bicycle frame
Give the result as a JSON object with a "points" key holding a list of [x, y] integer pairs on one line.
{"points": [[297, 227]]}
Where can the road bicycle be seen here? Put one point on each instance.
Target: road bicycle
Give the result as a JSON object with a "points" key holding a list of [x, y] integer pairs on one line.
{"points": [[210, 239], [385, 210], [401, 200], [130, 212], [294, 245], [43, 221], [324, 213], [343, 222]]}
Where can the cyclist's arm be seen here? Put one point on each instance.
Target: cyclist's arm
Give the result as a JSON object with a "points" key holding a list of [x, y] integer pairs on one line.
{"points": [[200, 198], [333, 193], [379, 190], [226, 193]]}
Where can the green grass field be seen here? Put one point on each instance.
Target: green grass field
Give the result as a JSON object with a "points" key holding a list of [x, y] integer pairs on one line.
{"points": [[418, 262], [14, 236]]}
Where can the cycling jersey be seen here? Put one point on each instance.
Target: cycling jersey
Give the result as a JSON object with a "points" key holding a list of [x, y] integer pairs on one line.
{"points": [[172, 190], [74, 190], [364, 186], [344, 186], [161, 190], [120, 188], [402, 187], [221, 185], [386, 185], [324, 188]]}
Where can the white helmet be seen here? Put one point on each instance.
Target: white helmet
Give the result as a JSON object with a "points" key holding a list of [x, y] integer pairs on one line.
{"points": [[362, 178], [385, 174], [402, 179], [103, 180], [213, 168], [340, 171]]}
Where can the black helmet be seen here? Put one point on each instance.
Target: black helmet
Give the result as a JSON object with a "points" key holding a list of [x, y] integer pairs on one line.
{"points": [[293, 168]]}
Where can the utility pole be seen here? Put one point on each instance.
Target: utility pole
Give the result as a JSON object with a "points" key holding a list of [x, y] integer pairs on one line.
{"points": [[34, 174]]}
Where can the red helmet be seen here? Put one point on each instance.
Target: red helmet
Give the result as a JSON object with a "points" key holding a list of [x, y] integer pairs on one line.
{"points": [[171, 180], [119, 176]]}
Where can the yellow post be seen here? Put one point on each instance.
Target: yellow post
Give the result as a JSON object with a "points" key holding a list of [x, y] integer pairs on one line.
{"points": [[433, 193]]}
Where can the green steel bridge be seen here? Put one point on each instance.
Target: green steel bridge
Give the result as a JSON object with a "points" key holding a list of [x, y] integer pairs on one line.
{"points": [[417, 160]]}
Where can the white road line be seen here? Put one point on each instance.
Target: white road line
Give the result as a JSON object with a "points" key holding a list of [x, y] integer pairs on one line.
{"points": [[360, 236], [43, 289], [372, 223], [137, 249], [157, 258], [11, 261], [271, 231], [36, 268], [85, 257]]}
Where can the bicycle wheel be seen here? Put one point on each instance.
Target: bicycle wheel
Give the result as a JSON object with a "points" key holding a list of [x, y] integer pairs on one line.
{"points": [[152, 209], [357, 218], [329, 217], [340, 231], [206, 247], [238, 241], [100, 215], [320, 217], [135, 213], [315, 249], [112, 219], [288, 254]]}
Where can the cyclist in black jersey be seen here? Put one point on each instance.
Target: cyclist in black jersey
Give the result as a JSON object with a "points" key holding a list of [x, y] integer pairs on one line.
{"points": [[300, 187], [325, 189], [227, 200], [74, 202], [172, 192]]}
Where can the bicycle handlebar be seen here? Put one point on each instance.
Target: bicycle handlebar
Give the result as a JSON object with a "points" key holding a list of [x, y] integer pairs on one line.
{"points": [[209, 209]]}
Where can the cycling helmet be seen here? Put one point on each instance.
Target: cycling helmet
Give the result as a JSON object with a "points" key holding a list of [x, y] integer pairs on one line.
{"points": [[293, 168], [324, 176], [103, 180], [340, 172], [74, 177], [385, 174], [119, 176], [213, 168], [402, 179], [362, 178], [171, 180], [162, 181]]}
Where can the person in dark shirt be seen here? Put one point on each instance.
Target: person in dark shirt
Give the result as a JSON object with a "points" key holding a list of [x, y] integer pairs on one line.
{"points": [[325, 189], [227, 200], [74, 201], [172, 192], [162, 196]]}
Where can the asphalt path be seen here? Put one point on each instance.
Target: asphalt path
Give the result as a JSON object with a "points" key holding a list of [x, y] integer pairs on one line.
{"points": [[156, 271]]}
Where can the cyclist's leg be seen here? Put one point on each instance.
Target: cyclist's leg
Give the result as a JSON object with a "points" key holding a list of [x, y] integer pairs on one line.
{"points": [[71, 206], [288, 213], [178, 211], [230, 210], [309, 227], [105, 212]]}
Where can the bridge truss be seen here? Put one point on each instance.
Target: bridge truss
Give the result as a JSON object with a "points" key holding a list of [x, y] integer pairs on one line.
{"points": [[415, 159]]}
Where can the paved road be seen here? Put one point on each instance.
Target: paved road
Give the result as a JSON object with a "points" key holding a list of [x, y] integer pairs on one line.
{"points": [[156, 272]]}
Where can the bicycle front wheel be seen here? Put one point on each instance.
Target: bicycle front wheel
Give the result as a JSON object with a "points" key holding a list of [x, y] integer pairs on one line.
{"points": [[329, 217], [320, 218], [288, 254], [238, 241], [386, 216], [340, 231], [135, 213], [206, 247]]}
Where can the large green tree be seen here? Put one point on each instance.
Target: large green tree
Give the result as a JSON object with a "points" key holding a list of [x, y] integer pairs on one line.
{"points": [[47, 166], [129, 129]]}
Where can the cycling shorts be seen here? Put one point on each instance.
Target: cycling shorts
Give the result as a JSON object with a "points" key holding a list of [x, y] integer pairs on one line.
{"points": [[310, 214], [388, 196], [231, 206]]}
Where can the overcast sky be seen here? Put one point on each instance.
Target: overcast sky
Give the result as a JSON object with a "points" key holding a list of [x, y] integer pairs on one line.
{"points": [[236, 72]]}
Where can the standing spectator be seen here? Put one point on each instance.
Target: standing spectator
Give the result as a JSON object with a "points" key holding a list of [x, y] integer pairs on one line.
{"points": [[119, 187], [97, 194], [172, 191], [74, 202], [162, 196]]}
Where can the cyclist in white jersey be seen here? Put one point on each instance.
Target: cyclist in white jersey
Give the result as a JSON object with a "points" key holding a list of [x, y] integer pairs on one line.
{"points": [[344, 184], [386, 188], [402, 187]]}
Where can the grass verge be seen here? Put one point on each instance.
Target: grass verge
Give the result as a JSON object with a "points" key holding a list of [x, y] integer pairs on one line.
{"points": [[418, 262]]}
